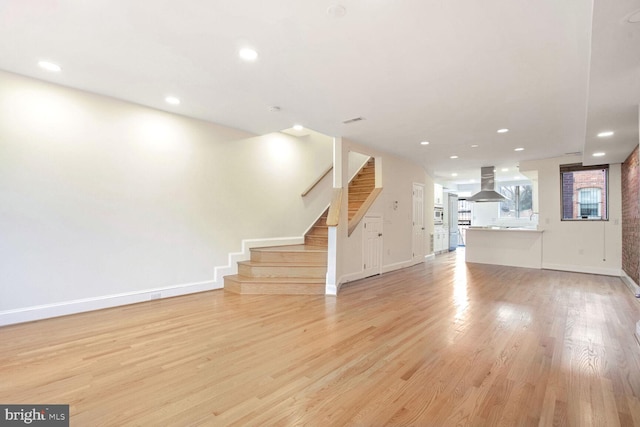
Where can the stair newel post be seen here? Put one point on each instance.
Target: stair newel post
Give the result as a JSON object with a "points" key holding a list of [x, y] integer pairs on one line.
{"points": [[339, 172]]}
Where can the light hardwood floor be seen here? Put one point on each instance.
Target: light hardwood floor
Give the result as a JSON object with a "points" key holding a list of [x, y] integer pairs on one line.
{"points": [[438, 344]]}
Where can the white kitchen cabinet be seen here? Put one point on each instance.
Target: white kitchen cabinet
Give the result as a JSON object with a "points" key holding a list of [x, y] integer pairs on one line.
{"points": [[440, 239], [438, 195]]}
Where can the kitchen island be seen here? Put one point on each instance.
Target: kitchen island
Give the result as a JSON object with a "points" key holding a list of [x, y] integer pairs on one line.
{"points": [[516, 247]]}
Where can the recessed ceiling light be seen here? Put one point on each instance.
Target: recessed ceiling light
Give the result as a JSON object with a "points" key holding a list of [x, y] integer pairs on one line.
{"points": [[474, 146], [298, 127], [598, 154], [518, 149], [453, 157], [49, 66], [503, 130], [424, 143], [454, 174], [248, 54], [505, 169], [172, 100], [605, 134]]}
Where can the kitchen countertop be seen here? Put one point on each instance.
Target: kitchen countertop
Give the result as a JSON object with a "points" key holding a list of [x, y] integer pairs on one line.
{"points": [[530, 230]]}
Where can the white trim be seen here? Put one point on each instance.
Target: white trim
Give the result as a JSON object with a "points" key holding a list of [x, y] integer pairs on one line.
{"points": [[331, 290], [331, 287], [631, 284], [583, 269], [400, 265], [45, 311], [430, 256], [314, 223], [351, 277], [232, 266]]}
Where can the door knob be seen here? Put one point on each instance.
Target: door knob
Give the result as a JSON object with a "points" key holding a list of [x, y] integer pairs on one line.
{"points": [[379, 234]]}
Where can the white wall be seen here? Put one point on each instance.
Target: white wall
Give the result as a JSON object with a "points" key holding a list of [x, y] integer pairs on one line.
{"points": [[583, 246], [100, 198], [398, 176]]}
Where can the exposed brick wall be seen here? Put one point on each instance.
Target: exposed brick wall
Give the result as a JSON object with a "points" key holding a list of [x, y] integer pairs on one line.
{"points": [[631, 216]]}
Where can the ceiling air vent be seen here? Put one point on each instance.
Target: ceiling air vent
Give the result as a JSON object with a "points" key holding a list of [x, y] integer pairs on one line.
{"points": [[355, 119]]}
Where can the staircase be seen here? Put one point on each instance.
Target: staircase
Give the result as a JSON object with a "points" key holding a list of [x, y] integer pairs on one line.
{"points": [[289, 270], [361, 187], [297, 269]]}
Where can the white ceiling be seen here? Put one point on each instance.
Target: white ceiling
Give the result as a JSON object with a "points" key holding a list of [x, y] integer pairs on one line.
{"points": [[451, 72]]}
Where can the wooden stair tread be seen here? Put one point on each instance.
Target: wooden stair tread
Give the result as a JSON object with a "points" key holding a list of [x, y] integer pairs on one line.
{"points": [[274, 285], [251, 279], [289, 248], [298, 269], [282, 264]]}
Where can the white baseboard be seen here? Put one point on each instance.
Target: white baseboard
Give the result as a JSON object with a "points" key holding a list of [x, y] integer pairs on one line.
{"points": [[399, 265], [583, 269], [429, 257], [45, 311], [350, 277], [631, 284], [331, 289]]}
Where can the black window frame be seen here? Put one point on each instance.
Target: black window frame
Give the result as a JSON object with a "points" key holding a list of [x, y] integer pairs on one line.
{"points": [[579, 167]]}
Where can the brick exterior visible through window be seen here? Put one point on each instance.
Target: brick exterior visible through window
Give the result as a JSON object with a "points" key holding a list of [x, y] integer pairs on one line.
{"points": [[584, 192]]}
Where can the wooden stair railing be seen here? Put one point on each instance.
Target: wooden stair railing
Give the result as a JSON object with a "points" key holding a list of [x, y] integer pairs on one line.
{"points": [[317, 181], [302, 269], [333, 217]]}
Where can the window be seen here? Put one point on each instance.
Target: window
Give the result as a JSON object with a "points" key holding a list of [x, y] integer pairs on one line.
{"points": [[584, 192], [589, 202], [519, 203]]}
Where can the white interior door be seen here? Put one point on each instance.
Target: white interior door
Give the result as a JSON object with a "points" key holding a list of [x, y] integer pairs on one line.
{"points": [[372, 245], [418, 222]]}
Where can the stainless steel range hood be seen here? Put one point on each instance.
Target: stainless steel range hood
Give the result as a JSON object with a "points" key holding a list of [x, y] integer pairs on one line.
{"points": [[487, 191]]}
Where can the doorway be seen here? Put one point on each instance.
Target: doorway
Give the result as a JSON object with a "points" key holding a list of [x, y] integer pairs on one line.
{"points": [[372, 245], [418, 231]]}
